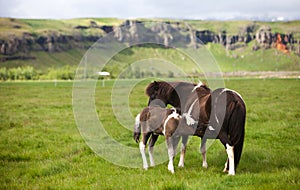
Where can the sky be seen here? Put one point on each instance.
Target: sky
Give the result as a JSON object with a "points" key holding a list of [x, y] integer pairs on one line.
{"points": [[182, 9]]}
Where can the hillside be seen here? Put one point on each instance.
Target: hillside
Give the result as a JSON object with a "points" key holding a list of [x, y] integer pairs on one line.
{"points": [[236, 45]]}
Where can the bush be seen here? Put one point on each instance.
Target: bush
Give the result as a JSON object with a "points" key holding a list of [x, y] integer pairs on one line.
{"points": [[65, 73], [3, 74], [18, 73], [29, 73]]}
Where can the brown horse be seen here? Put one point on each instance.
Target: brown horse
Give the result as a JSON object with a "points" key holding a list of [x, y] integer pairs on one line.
{"points": [[155, 120], [225, 109], [158, 121]]}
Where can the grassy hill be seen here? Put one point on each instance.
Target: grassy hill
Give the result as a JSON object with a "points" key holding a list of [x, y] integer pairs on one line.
{"points": [[240, 59]]}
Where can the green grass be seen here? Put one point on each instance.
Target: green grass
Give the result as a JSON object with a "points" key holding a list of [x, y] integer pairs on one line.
{"points": [[239, 60], [17, 27], [244, 59], [41, 147]]}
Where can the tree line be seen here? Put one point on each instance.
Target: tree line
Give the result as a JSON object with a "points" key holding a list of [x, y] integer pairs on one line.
{"points": [[68, 73], [30, 73]]}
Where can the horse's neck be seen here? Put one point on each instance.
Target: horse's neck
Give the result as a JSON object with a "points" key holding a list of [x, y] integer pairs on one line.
{"points": [[186, 97]]}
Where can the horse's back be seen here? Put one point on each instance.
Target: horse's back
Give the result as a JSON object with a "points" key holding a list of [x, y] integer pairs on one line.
{"points": [[152, 118]]}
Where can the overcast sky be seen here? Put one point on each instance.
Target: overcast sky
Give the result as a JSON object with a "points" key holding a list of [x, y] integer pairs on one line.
{"points": [[182, 9]]}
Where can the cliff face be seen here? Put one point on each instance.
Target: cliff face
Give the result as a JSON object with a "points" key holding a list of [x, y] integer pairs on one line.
{"points": [[263, 37], [50, 42], [19, 47]]}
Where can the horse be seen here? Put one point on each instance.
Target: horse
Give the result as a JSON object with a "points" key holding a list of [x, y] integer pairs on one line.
{"points": [[224, 107], [155, 120]]}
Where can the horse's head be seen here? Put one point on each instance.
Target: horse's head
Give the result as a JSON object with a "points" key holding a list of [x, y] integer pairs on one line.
{"points": [[159, 93], [174, 93]]}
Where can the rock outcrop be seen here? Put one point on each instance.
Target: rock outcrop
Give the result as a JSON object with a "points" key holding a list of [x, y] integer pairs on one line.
{"points": [[138, 31]]}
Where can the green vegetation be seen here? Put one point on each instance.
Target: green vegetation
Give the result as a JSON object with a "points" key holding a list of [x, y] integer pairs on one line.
{"points": [[41, 147], [10, 26], [234, 27], [70, 55], [29, 73], [237, 60], [244, 59]]}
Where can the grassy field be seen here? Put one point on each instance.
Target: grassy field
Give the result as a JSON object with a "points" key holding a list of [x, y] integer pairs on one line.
{"points": [[41, 147]]}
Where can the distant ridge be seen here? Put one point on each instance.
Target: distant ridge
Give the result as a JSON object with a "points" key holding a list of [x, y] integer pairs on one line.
{"points": [[44, 43]]}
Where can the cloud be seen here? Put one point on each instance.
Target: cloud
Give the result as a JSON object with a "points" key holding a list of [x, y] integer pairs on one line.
{"points": [[149, 8]]}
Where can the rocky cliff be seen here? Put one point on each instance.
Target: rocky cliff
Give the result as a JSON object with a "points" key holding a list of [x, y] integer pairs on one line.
{"points": [[257, 36]]}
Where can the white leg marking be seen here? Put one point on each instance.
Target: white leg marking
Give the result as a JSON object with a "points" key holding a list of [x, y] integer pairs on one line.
{"points": [[203, 152], [181, 161], [225, 168], [229, 150], [182, 155], [152, 163], [171, 158], [171, 166], [171, 154], [183, 150], [142, 150]]}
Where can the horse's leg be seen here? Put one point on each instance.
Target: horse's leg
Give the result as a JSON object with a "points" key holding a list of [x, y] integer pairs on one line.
{"points": [[151, 148], [171, 144], [170, 153], [229, 149], [143, 143], [226, 168], [203, 152], [183, 150]]}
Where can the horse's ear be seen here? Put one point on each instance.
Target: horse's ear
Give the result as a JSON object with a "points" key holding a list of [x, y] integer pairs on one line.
{"points": [[156, 85], [152, 88]]}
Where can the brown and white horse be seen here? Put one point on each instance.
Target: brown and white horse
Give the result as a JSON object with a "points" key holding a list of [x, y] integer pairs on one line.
{"points": [[225, 109], [155, 120]]}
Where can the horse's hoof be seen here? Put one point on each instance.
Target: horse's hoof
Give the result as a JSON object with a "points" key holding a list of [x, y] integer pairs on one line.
{"points": [[205, 165], [181, 165], [225, 170], [231, 173], [171, 168], [172, 171]]}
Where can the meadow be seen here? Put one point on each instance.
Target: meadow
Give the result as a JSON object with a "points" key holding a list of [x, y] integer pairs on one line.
{"points": [[41, 147]]}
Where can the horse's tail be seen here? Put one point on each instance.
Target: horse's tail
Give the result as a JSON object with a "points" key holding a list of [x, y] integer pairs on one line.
{"points": [[237, 130], [137, 129]]}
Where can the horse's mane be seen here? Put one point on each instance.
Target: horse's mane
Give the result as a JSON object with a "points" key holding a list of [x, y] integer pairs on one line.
{"points": [[162, 87], [203, 90]]}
